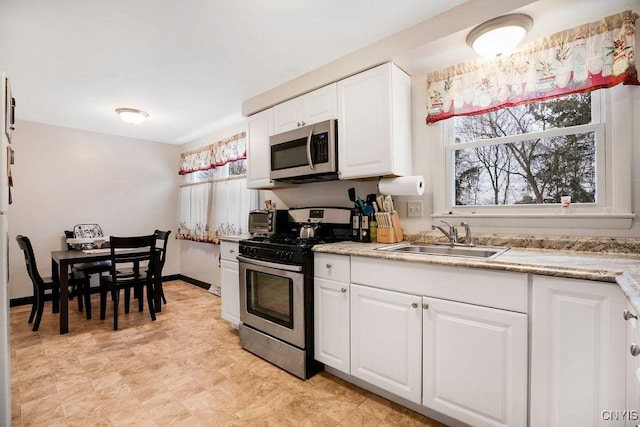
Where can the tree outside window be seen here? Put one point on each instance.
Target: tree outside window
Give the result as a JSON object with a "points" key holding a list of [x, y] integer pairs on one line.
{"points": [[530, 154]]}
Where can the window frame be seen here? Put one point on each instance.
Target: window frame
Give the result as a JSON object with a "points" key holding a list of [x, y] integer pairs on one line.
{"points": [[612, 119]]}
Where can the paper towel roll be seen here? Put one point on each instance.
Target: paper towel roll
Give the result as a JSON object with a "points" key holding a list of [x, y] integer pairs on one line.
{"points": [[402, 186]]}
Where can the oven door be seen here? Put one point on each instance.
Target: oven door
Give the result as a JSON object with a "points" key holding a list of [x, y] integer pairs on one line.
{"points": [[272, 299]]}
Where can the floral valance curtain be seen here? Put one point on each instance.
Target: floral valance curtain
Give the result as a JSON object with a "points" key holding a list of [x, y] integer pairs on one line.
{"points": [[213, 156], [591, 56]]}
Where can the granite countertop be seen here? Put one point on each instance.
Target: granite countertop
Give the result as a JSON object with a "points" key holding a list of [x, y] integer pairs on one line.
{"points": [[620, 268]]}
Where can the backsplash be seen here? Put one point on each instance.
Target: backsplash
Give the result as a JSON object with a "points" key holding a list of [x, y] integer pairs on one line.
{"points": [[568, 243]]}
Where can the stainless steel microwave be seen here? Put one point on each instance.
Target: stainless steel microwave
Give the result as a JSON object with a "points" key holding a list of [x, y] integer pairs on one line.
{"points": [[305, 154]]}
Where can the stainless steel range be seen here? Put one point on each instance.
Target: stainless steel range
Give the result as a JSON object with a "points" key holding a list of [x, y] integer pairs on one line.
{"points": [[276, 288]]}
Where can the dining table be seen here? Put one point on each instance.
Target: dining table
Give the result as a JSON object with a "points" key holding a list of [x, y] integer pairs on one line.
{"points": [[63, 261]]}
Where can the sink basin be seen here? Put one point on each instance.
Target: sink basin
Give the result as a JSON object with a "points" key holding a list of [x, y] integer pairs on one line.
{"points": [[459, 251]]}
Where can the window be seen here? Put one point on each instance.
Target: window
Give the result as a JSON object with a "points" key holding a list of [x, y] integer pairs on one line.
{"points": [[214, 200], [509, 167], [529, 154]]}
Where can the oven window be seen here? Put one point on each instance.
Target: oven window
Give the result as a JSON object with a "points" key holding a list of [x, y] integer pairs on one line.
{"points": [[270, 297]]}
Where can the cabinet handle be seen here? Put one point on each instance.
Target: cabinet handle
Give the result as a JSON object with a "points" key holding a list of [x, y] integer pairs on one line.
{"points": [[628, 315], [414, 305], [635, 349], [343, 290], [231, 251], [298, 124], [425, 306], [303, 123], [328, 265]]}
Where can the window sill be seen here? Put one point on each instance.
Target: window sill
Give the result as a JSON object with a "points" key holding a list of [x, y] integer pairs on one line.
{"points": [[541, 220]]}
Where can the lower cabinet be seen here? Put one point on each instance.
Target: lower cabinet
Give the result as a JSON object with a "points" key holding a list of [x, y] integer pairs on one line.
{"points": [[578, 353], [331, 323], [229, 283], [633, 364], [475, 363], [386, 338]]}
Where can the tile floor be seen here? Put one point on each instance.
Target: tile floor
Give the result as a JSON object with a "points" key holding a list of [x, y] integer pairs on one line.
{"points": [[186, 368]]}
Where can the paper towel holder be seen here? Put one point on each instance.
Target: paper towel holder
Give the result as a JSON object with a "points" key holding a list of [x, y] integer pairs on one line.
{"points": [[401, 185]]}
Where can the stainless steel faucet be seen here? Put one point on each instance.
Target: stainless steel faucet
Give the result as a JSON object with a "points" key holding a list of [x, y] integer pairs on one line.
{"points": [[468, 240], [452, 234]]}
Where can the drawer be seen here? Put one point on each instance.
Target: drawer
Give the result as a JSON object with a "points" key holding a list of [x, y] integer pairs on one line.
{"points": [[229, 250], [333, 267], [498, 289]]}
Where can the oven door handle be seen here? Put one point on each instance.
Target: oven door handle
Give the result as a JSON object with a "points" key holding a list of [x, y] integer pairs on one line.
{"points": [[296, 268]]}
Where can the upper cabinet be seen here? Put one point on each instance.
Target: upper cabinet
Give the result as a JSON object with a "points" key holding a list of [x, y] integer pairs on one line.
{"points": [[258, 154], [310, 108], [374, 123]]}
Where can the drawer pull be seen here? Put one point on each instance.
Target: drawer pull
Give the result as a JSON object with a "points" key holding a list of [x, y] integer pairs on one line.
{"points": [[414, 305], [343, 290], [328, 265], [231, 251], [634, 349], [628, 315]]}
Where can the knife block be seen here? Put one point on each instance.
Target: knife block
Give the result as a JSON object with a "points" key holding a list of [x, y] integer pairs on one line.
{"points": [[391, 234]]}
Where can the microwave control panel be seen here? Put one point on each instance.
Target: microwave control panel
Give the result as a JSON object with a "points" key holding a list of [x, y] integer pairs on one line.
{"points": [[321, 144]]}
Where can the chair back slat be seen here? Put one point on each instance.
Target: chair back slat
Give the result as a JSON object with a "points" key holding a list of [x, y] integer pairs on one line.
{"points": [[164, 236], [120, 256], [30, 259]]}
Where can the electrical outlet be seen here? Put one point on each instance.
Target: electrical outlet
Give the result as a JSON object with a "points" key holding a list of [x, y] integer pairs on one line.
{"points": [[414, 208]]}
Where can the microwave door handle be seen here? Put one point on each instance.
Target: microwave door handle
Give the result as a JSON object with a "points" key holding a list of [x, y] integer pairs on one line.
{"points": [[311, 165]]}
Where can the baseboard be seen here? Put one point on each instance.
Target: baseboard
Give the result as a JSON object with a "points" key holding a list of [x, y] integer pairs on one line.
{"points": [[15, 302], [196, 282]]}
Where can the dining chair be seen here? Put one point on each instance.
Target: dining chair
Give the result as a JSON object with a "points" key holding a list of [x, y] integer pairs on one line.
{"points": [[87, 269], [43, 286], [164, 237], [127, 255]]}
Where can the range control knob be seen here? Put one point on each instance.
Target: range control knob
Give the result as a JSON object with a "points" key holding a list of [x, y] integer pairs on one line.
{"points": [[254, 251]]}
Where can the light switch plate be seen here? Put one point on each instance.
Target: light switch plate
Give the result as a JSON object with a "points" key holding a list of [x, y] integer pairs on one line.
{"points": [[414, 208]]}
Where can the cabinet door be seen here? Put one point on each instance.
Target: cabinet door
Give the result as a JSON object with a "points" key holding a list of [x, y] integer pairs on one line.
{"points": [[258, 151], [386, 340], [374, 123], [633, 365], [230, 291], [287, 116], [331, 323], [475, 363], [320, 105], [313, 107], [577, 352], [364, 124]]}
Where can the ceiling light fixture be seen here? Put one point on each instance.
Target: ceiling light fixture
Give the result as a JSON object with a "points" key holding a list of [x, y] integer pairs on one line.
{"points": [[132, 116], [499, 36]]}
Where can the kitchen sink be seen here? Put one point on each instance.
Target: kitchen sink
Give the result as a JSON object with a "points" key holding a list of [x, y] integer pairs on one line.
{"points": [[459, 251]]}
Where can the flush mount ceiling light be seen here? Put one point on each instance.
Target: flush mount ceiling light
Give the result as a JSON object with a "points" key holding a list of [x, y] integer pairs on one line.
{"points": [[131, 115], [500, 35]]}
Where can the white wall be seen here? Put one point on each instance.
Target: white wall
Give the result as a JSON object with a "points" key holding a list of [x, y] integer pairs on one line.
{"points": [[64, 177]]}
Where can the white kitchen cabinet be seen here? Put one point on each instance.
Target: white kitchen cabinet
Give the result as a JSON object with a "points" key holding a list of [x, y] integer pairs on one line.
{"points": [[313, 107], [259, 127], [230, 283], [475, 363], [374, 123], [386, 340], [331, 311], [578, 343], [633, 365]]}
